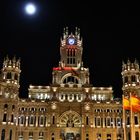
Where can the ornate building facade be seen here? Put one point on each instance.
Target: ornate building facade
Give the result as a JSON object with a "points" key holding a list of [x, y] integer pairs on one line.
{"points": [[70, 108]]}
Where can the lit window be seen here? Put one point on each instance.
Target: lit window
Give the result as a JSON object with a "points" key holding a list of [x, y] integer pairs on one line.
{"points": [[41, 120], [108, 121], [98, 121]]}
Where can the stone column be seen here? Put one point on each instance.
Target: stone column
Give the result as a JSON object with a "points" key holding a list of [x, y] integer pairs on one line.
{"points": [[26, 121], [26, 135], [46, 123], [36, 124], [113, 121], [94, 135], [14, 137], [6, 133], [90, 133], [104, 135], [57, 134], [94, 121], [17, 120], [114, 135], [103, 120], [82, 133], [35, 135]]}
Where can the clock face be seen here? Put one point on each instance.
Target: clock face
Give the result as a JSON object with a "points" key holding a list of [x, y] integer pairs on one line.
{"points": [[71, 41]]}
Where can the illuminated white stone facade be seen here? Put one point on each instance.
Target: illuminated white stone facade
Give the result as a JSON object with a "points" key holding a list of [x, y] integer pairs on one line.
{"points": [[70, 108]]}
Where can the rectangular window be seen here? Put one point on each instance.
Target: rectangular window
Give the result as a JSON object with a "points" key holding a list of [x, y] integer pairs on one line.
{"points": [[108, 121], [73, 60], [4, 117], [12, 118], [98, 122], [53, 121], [67, 60], [136, 120], [41, 120], [87, 120], [108, 136], [101, 121], [105, 121], [118, 122], [70, 60]]}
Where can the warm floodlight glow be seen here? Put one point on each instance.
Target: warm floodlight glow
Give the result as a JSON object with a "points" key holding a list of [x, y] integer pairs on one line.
{"points": [[30, 8]]}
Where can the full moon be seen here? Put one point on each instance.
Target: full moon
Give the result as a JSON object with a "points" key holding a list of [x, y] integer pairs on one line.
{"points": [[30, 9]]}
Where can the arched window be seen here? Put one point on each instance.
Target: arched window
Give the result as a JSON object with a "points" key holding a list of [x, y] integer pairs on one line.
{"points": [[108, 110], [30, 135], [22, 119], [5, 106], [32, 110], [20, 135], [136, 120], [62, 96], [4, 117], [78, 97], [105, 121], [9, 75], [10, 135], [41, 134], [71, 56], [12, 118], [129, 136], [118, 121], [77, 136], [125, 79], [13, 107], [128, 120], [16, 76], [41, 120], [108, 136], [53, 120], [98, 121], [87, 136], [98, 136], [53, 136], [133, 78], [118, 110], [137, 135], [87, 120], [119, 137], [32, 120], [70, 79], [3, 134], [108, 121]]}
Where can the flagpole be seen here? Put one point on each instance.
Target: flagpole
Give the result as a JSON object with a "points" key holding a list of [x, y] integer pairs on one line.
{"points": [[124, 121], [131, 120]]}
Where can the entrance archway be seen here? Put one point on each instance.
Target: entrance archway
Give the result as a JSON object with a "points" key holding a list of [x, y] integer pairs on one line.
{"points": [[70, 122]]}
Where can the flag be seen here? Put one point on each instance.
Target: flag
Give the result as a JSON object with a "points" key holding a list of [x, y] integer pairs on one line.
{"points": [[135, 103], [126, 103]]}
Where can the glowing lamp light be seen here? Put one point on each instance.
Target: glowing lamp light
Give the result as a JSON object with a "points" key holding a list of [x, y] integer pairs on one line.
{"points": [[87, 107], [30, 9], [53, 106]]}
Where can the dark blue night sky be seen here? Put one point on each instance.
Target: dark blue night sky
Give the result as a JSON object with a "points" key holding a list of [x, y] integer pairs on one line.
{"points": [[110, 31]]}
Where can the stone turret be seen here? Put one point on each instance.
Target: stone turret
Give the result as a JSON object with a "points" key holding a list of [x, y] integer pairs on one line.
{"points": [[130, 76], [10, 76]]}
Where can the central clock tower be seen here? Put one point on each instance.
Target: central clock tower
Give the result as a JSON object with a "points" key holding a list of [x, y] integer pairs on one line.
{"points": [[70, 70]]}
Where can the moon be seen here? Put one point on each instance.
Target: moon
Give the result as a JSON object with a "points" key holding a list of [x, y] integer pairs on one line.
{"points": [[30, 9]]}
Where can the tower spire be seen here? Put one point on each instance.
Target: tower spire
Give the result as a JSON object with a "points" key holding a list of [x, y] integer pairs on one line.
{"points": [[70, 62], [11, 76], [76, 32], [64, 33], [67, 31]]}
